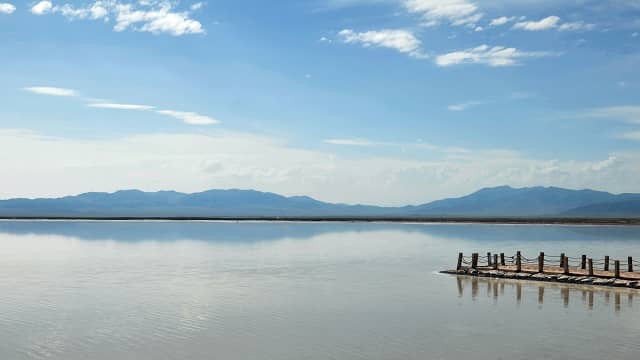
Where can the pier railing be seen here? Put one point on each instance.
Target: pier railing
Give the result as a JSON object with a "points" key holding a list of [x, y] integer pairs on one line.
{"points": [[568, 265]]}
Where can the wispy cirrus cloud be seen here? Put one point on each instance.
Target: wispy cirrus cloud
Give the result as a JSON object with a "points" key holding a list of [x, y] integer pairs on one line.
{"points": [[552, 22], [353, 142], [120, 106], [495, 56], [453, 12], [465, 105], [153, 16], [631, 135], [190, 118], [52, 91], [626, 113], [187, 117], [7, 8], [403, 41]]}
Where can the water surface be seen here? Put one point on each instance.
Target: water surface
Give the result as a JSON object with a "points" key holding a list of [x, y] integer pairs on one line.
{"points": [[202, 290]]}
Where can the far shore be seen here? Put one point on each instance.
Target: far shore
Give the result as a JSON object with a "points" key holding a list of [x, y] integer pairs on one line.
{"points": [[417, 220]]}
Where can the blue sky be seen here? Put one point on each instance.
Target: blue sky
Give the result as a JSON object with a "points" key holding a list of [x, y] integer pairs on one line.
{"points": [[368, 101]]}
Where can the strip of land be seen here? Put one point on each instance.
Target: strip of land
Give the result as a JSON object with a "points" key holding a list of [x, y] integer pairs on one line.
{"points": [[460, 220]]}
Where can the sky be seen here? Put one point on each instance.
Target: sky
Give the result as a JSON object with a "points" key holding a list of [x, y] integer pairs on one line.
{"points": [[385, 102]]}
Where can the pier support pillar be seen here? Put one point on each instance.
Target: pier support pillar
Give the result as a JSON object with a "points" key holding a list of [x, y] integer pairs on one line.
{"points": [[565, 266], [606, 263], [495, 261], [474, 260], [630, 263], [617, 269], [518, 262], [489, 259], [502, 263], [583, 263], [590, 267], [541, 262], [562, 260], [459, 266]]}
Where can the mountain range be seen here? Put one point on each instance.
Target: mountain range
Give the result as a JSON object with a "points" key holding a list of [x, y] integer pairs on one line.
{"points": [[502, 201]]}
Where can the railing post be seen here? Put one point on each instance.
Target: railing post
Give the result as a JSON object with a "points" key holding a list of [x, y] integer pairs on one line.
{"points": [[565, 265], [590, 267], [617, 269], [474, 260], [541, 262], [583, 263], [518, 262], [488, 259], [630, 262], [495, 261], [606, 263], [502, 263], [459, 266], [562, 260]]}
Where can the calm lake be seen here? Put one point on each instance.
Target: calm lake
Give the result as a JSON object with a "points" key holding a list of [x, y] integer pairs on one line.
{"points": [[218, 290]]}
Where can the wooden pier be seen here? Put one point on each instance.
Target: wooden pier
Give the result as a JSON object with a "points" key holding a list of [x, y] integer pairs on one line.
{"points": [[580, 270]]}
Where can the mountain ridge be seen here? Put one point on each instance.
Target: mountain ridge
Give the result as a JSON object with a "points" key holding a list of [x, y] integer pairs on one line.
{"points": [[500, 201]]}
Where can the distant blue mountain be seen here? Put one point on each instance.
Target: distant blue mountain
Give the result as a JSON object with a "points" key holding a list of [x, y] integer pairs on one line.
{"points": [[503, 201], [508, 201]]}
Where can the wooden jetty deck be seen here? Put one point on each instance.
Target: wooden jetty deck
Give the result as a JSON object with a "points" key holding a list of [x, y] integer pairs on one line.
{"points": [[581, 270]]}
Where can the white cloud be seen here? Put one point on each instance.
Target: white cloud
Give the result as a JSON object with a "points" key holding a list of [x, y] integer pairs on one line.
{"points": [[195, 162], [7, 8], [547, 23], [488, 55], [54, 91], [576, 26], [464, 106], [400, 40], [501, 21], [95, 11], [153, 16], [553, 22], [352, 142], [454, 12], [156, 20], [632, 135], [635, 34], [196, 6], [41, 8], [189, 117], [629, 113], [120, 106]]}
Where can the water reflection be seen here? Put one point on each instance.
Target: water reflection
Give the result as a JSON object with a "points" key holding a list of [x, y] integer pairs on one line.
{"points": [[506, 289]]}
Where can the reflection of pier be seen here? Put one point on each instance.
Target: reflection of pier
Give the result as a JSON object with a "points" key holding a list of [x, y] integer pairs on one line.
{"points": [[495, 288], [577, 270]]}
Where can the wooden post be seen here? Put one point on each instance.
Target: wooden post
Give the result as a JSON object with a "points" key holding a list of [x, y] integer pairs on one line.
{"points": [[474, 260], [502, 263], [606, 263], [541, 262], [565, 266], [495, 261], [583, 263], [590, 267], [489, 259], [562, 260], [630, 262], [617, 269], [459, 266], [518, 262]]}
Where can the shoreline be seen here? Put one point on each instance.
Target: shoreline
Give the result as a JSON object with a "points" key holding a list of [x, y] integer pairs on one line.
{"points": [[410, 220]]}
